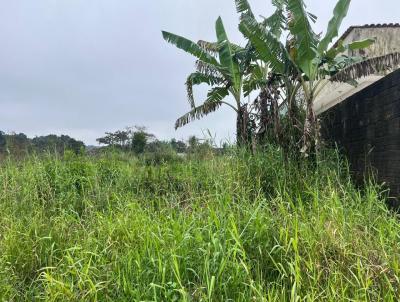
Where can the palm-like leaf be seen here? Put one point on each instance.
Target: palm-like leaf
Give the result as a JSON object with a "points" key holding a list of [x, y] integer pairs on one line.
{"points": [[243, 7], [214, 47], [339, 48], [367, 67], [362, 44], [227, 57], [305, 39], [211, 47], [256, 80], [198, 78], [269, 48], [189, 47], [275, 22], [339, 13], [213, 102], [208, 69], [219, 63]]}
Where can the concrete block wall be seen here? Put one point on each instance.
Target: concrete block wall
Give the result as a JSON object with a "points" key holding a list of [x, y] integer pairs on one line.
{"points": [[366, 127]]}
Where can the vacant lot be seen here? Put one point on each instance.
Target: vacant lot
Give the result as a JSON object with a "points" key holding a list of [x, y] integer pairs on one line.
{"points": [[233, 227]]}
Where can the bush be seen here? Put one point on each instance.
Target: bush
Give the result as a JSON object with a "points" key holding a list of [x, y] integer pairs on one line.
{"points": [[158, 152]]}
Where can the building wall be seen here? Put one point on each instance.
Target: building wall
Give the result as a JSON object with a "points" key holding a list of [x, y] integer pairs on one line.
{"points": [[336, 92], [387, 41], [366, 127]]}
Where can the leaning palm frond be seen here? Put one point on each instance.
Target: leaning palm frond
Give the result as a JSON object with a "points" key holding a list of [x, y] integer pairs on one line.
{"points": [[257, 79], [277, 21], [243, 7], [334, 51], [368, 67], [218, 64], [211, 47], [306, 40], [198, 78], [339, 13], [269, 48], [227, 57], [189, 47], [208, 69], [213, 102]]}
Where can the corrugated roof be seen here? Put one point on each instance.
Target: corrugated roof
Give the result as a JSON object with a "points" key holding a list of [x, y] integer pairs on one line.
{"points": [[383, 25]]}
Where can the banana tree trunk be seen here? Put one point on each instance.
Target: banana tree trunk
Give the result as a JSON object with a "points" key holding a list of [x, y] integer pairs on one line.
{"points": [[311, 131], [264, 120], [243, 131], [276, 119]]}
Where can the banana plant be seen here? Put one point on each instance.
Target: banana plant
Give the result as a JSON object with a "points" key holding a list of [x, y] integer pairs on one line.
{"points": [[219, 65], [306, 57], [273, 81]]}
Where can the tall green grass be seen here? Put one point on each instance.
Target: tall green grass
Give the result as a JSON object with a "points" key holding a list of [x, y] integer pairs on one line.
{"points": [[229, 228]]}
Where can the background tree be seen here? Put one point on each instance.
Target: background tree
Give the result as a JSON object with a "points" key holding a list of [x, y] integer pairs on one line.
{"points": [[3, 143], [178, 145], [109, 139], [19, 145], [54, 143], [122, 137], [140, 138], [193, 143]]}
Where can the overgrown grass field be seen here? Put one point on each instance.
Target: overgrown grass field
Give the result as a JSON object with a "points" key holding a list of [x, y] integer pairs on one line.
{"points": [[226, 228]]}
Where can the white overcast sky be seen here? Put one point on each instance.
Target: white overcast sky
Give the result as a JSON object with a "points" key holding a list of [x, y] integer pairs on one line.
{"points": [[83, 67]]}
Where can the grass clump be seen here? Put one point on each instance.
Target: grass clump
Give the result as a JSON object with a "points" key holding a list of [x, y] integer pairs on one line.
{"points": [[234, 227]]}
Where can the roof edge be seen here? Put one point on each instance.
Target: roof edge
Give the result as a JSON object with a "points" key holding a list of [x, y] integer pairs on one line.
{"points": [[382, 25]]}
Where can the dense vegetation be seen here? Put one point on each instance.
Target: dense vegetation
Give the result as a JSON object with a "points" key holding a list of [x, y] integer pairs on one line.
{"points": [[132, 140], [19, 144], [138, 140], [285, 63], [233, 227]]}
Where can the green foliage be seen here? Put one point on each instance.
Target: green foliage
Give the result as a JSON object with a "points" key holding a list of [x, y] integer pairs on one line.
{"points": [[158, 152], [190, 47], [305, 39], [237, 227], [339, 13], [227, 57], [54, 143], [19, 145], [178, 146], [269, 48], [131, 139], [3, 143], [222, 65], [198, 78], [303, 64], [243, 7], [139, 141]]}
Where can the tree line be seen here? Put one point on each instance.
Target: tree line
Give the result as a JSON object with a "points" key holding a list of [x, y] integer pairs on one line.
{"points": [[136, 140], [19, 144], [139, 141]]}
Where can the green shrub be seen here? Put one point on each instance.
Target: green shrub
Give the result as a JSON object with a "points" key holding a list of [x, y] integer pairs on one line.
{"points": [[158, 153]]}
